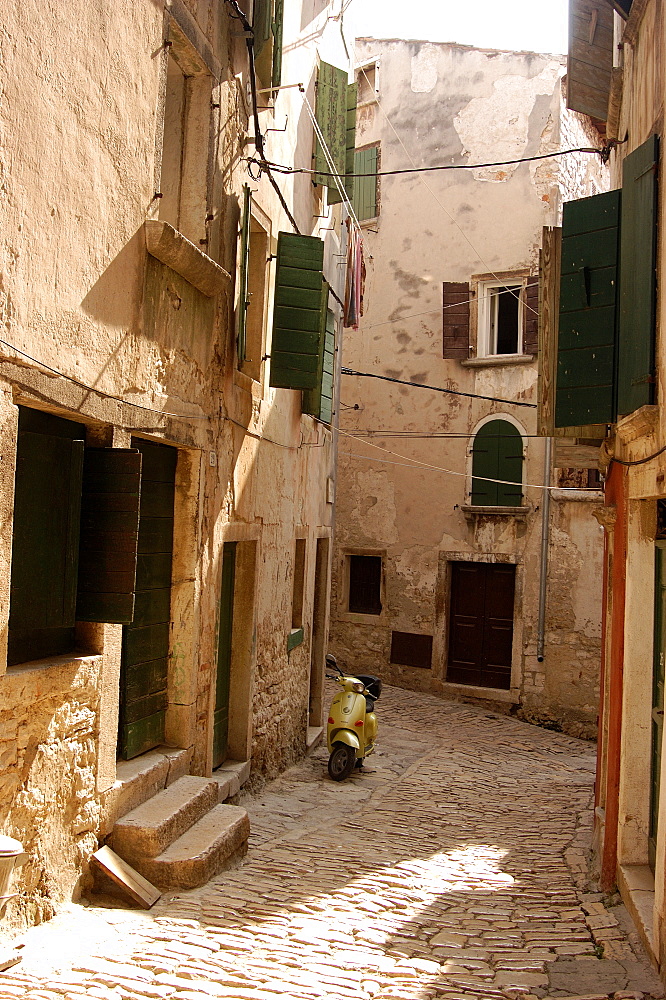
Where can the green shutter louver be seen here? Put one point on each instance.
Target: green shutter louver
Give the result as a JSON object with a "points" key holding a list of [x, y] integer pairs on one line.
{"points": [[586, 355], [261, 25], [277, 43], [497, 453], [331, 115], [243, 275], [298, 313], [365, 188], [111, 492], [638, 260], [319, 401], [334, 195]]}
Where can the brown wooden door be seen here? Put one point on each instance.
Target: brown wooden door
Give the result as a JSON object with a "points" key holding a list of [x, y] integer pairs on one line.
{"points": [[481, 624]]}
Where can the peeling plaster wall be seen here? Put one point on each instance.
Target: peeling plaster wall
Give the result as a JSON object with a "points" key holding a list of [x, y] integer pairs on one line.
{"points": [[78, 292], [450, 104]]}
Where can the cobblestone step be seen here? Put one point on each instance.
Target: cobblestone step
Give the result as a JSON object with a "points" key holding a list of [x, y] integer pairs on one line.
{"points": [[148, 830], [212, 844]]}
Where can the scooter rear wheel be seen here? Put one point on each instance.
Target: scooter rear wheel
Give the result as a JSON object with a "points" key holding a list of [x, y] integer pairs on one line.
{"points": [[341, 762]]}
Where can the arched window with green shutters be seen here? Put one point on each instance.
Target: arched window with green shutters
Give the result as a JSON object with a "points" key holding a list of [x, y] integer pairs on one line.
{"points": [[497, 454]]}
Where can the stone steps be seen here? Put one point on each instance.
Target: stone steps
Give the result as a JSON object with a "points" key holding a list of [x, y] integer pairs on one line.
{"points": [[181, 837], [151, 827], [212, 844]]}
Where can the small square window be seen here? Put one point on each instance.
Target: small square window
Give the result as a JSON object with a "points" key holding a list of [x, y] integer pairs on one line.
{"points": [[367, 80], [365, 581]]}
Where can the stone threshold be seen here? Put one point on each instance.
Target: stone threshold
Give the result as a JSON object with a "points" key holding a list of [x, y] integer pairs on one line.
{"points": [[636, 885], [511, 697], [231, 776], [313, 737]]}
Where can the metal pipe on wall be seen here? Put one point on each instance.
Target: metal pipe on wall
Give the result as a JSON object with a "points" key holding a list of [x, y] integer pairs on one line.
{"points": [[545, 537]]}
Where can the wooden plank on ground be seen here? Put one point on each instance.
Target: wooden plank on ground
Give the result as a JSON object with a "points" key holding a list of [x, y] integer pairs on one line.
{"points": [[138, 888]]}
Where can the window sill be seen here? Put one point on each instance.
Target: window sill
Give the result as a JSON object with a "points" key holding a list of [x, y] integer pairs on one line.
{"points": [[248, 384], [356, 618], [368, 223], [590, 495], [473, 510], [495, 360], [53, 662], [170, 247]]}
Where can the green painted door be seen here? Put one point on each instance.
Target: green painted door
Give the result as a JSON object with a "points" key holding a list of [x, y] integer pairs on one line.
{"points": [[657, 696], [143, 677], [224, 642]]}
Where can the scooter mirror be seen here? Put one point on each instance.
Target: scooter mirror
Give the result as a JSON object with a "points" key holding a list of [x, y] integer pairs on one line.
{"points": [[331, 661]]}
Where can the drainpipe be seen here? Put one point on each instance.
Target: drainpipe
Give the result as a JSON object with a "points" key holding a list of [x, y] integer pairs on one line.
{"points": [[545, 534]]}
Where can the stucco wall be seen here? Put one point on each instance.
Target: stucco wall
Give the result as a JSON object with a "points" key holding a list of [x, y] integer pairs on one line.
{"points": [[80, 294], [403, 490]]}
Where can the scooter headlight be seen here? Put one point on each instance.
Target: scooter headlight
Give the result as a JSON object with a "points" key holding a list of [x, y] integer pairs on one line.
{"points": [[358, 686]]}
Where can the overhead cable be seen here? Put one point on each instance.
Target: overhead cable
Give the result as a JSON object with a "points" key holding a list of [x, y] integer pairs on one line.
{"points": [[436, 388], [284, 169], [100, 392]]}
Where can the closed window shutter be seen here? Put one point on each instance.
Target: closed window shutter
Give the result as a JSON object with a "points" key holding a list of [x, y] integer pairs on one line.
{"points": [[638, 262], [319, 401], [365, 188], [497, 454], [261, 25], [531, 317], [277, 43], [243, 275], [365, 578], [334, 195], [331, 115], [586, 351], [298, 322], [590, 58], [456, 320], [109, 538]]}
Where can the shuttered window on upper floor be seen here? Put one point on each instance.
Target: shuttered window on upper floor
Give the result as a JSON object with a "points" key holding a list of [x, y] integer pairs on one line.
{"points": [[267, 24], [75, 536], [366, 201], [319, 401], [497, 454], [299, 313], [334, 195], [605, 354], [333, 97]]}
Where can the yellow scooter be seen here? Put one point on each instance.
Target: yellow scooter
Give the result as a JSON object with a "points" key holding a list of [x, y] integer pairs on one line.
{"points": [[352, 723]]}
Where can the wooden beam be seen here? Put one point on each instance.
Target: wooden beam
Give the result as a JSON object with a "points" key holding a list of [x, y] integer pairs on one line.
{"points": [[549, 267]]}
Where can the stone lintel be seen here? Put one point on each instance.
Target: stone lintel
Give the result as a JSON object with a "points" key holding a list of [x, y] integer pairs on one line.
{"points": [[172, 248]]}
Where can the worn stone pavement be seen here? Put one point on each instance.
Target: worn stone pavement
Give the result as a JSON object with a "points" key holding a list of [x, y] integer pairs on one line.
{"points": [[455, 867]]}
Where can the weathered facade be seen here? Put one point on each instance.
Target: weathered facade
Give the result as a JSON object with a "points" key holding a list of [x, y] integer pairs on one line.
{"points": [[608, 364], [138, 261], [438, 561]]}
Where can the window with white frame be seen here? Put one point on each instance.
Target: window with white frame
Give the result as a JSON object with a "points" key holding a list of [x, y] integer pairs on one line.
{"points": [[501, 315]]}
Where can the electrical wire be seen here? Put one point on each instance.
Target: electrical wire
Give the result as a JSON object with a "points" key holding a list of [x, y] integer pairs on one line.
{"points": [[638, 461], [412, 463], [285, 169], [437, 388], [100, 392]]}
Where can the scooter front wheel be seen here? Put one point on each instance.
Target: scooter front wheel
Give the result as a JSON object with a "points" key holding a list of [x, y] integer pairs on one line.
{"points": [[341, 762]]}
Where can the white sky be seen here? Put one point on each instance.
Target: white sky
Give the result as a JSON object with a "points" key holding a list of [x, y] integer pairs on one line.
{"points": [[534, 25]]}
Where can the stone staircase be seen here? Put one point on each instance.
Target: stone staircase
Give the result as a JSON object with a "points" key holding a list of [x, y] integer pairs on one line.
{"points": [[183, 835]]}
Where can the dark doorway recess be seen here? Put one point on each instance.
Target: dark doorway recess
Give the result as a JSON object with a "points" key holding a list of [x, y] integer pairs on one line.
{"points": [[481, 624], [145, 655]]}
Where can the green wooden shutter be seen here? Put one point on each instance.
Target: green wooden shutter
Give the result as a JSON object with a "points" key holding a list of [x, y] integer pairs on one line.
{"points": [[497, 454], [243, 275], [365, 188], [297, 314], [319, 401], [111, 491], [45, 543], [262, 26], [638, 263], [334, 195], [277, 43], [586, 352], [331, 115]]}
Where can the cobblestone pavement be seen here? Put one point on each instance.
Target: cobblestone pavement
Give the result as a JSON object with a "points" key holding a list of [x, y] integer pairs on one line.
{"points": [[454, 867]]}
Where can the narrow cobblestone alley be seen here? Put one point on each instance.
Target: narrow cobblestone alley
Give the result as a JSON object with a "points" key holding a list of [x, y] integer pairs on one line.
{"points": [[454, 867]]}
